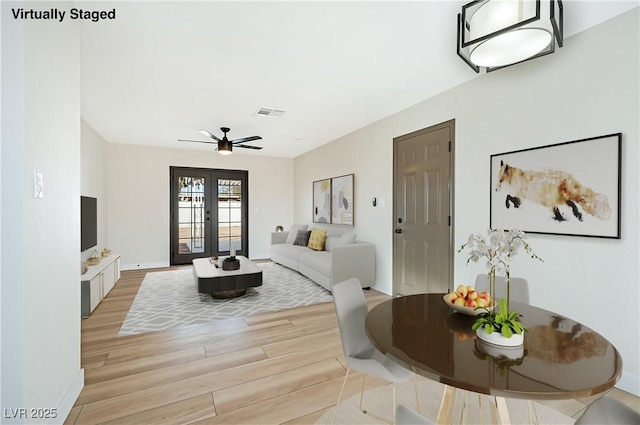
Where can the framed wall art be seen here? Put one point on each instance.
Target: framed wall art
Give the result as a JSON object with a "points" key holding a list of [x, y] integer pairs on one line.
{"points": [[570, 188], [342, 200], [322, 201]]}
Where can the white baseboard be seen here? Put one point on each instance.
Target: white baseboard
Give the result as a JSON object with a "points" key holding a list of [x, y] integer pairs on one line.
{"points": [[629, 383], [69, 399], [155, 265]]}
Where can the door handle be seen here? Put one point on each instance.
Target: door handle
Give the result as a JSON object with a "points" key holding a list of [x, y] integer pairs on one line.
{"points": [[398, 231]]}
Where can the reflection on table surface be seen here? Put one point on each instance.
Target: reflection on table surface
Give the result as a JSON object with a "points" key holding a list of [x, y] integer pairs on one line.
{"points": [[560, 359]]}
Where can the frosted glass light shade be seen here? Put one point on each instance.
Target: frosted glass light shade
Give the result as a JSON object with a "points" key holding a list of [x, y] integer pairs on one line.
{"points": [[511, 47], [498, 33], [224, 147]]}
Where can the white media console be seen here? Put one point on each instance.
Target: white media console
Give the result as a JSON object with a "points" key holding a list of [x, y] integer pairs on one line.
{"points": [[97, 281]]}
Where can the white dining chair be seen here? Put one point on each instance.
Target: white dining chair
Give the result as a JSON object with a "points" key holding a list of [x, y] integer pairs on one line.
{"points": [[519, 287], [406, 416], [607, 410], [359, 352]]}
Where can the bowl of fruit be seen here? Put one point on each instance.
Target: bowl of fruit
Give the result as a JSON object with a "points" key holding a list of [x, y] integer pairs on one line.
{"points": [[466, 300]]}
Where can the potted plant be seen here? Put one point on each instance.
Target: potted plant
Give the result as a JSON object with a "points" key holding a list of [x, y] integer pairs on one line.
{"points": [[504, 323], [501, 326]]}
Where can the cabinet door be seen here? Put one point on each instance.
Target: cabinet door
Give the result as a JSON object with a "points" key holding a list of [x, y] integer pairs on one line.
{"points": [[116, 264], [109, 276], [95, 291]]}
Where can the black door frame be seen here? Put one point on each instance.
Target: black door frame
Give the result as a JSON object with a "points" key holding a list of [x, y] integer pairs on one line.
{"points": [[211, 176]]}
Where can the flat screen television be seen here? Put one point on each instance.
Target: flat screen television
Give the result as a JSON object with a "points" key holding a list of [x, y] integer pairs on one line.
{"points": [[88, 222]]}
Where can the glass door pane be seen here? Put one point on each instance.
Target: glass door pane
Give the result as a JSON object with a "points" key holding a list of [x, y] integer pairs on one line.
{"points": [[191, 215], [229, 215]]}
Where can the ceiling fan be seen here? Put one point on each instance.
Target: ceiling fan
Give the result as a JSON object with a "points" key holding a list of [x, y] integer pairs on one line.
{"points": [[225, 146]]}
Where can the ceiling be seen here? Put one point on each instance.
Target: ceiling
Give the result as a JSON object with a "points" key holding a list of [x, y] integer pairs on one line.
{"points": [[162, 70]]}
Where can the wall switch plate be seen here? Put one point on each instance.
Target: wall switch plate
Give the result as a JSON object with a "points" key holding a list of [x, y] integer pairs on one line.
{"points": [[38, 190]]}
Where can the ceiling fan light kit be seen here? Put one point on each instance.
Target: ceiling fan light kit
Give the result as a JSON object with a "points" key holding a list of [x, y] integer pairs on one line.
{"points": [[493, 34], [225, 146]]}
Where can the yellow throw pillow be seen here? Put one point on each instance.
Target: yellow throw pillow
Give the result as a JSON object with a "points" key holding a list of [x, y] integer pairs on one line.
{"points": [[317, 238]]}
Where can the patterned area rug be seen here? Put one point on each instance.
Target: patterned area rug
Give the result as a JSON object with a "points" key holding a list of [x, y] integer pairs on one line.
{"points": [[169, 300], [473, 406]]}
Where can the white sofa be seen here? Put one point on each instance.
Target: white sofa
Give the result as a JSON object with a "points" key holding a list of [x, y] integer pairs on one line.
{"points": [[342, 258]]}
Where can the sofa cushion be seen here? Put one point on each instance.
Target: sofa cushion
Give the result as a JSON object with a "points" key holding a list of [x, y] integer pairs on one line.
{"points": [[293, 233], [333, 241], [303, 238], [317, 238], [289, 251], [319, 261]]}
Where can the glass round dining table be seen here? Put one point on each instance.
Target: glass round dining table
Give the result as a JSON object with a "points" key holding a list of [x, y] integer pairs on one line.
{"points": [[560, 358]]}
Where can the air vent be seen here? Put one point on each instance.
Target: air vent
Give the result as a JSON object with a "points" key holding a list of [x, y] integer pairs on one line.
{"points": [[270, 112]]}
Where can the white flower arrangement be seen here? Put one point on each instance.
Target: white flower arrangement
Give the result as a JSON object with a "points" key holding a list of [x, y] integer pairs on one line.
{"points": [[498, 246]]}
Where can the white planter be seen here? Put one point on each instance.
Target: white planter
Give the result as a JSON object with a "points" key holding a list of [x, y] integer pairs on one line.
{"points": [[496, 338], [500, 352]]}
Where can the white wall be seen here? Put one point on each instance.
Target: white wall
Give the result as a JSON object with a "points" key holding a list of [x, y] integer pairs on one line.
{"points": [[93, 178], [588, 88], [138, 193], [12, 265], [41, 331]]}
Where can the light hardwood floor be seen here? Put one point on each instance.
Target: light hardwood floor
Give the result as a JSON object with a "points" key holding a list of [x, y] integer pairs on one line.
{"points": [[284, 367]]}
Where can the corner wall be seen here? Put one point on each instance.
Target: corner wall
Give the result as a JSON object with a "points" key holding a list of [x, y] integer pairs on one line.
{"points": [[93, 179], [588, 88]]}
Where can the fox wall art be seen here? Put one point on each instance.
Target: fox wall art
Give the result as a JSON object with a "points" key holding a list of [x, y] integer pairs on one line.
{"points": [[570, 188]]}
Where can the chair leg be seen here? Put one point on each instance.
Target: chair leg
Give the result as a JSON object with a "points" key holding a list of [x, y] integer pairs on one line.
{"points": [[393, 414], [344, 382], [364, 377], [393, 406], [415, 386], [532, 407]]}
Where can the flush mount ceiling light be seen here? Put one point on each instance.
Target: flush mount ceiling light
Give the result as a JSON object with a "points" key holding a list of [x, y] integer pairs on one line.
{"points": [[496, 33]]}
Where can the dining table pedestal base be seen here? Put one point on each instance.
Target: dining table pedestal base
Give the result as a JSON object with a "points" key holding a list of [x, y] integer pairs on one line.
{"points": [[497, 408]]}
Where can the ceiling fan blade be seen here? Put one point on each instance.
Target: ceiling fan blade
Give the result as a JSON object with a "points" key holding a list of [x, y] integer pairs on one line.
{"points": [[209, 134], [245, 139], [197, 141], [248, 147]]}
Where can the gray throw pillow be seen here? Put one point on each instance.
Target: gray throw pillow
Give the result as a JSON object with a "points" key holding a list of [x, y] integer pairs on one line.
{"points": [[294, 232], [303, 238]]}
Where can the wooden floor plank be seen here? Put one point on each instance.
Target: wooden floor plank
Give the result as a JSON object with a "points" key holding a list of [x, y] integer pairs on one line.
{"points": [[140, 381], [301, 343], [133, 351], [178, 413], [247, 394], [119, 370]]}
